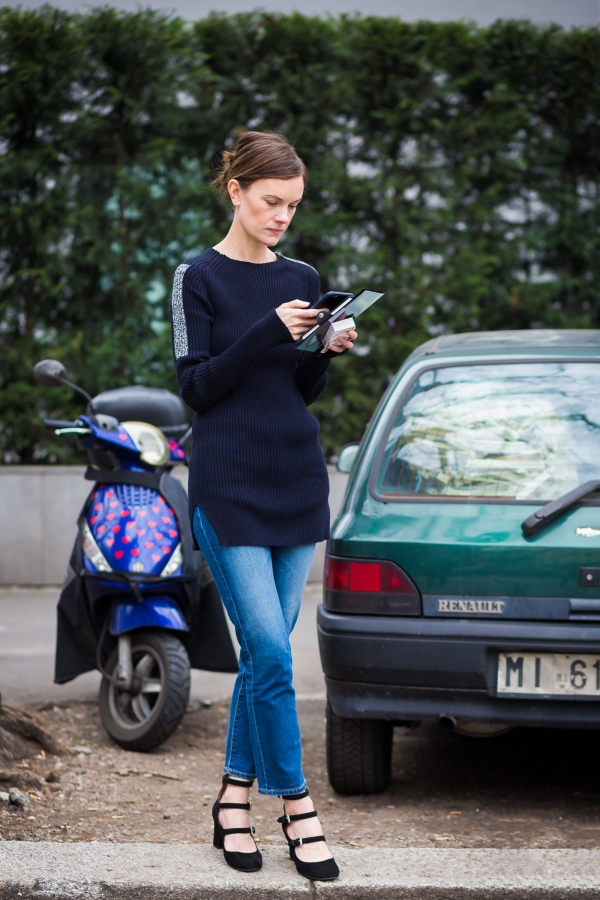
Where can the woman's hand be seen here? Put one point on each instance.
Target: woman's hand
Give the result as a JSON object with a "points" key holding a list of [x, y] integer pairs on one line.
{"points": [[298, 320], [341, 343], [296, 317]]}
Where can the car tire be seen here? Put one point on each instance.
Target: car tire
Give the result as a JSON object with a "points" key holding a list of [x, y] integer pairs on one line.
{"points": [[359, 753]]}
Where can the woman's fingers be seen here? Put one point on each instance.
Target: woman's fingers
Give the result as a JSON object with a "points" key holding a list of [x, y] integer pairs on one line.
{"points": [[293, 304], [299, 323], [342, 343], [298, 320], [296, 317]]}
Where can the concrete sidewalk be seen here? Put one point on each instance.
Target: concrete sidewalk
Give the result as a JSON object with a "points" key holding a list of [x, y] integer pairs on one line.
{"points": [[197, 872]]}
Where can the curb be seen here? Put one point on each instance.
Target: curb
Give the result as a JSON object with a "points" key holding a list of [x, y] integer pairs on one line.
{"points": [[146, 871]]}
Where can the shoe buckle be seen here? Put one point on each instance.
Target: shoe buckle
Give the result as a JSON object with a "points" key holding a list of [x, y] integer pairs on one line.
{"points": [[249, 805], [298, 842], [287, 818], [252, 829]]}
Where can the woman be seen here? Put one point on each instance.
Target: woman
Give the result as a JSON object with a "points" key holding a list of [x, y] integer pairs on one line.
{"points": [[258, 483]]}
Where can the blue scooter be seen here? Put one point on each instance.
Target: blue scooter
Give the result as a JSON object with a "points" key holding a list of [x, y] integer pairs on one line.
{"points": [[131, 605]]}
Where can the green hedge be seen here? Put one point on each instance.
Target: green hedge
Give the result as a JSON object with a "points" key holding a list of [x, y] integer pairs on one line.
{"points": [[457, 168]]}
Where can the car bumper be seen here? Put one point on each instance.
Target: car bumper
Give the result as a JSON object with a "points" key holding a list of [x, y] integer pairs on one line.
{"points": [[427, 668]]}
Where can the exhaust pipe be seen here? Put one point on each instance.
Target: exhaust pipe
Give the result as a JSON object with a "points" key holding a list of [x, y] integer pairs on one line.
{"points": [[448, 723]]}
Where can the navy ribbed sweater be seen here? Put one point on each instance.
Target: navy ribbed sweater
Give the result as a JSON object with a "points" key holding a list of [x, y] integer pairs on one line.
{"points": [[257, 470]]}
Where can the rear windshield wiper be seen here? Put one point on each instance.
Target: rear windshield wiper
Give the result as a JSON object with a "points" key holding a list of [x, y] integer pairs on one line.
{"points": [[555, 508]]}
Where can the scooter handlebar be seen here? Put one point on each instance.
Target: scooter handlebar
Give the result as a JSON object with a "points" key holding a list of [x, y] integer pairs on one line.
{"points": [[58, 423]]}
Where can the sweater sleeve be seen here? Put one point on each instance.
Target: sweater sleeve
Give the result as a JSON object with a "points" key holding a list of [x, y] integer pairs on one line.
{"points": [[203, 380], [311, 375]]}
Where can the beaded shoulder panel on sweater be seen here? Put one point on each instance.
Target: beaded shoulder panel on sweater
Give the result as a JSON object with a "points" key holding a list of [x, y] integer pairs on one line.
{"points": [[180, 338]]}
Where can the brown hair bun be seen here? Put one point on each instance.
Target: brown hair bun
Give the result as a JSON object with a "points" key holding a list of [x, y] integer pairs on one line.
{"points": [[258, 154]]}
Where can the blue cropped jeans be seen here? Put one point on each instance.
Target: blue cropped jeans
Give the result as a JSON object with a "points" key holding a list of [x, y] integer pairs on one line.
{"points": [[261, 588]]}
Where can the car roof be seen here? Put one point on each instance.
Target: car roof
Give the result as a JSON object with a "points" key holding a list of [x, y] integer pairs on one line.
{"points": [[529, 342]]}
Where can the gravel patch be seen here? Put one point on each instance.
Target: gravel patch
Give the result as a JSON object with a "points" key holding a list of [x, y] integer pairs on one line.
{"points": [[527, 789]]}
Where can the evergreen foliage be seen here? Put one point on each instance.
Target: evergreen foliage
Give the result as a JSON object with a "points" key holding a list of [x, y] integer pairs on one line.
{"points": [[456, 168]]}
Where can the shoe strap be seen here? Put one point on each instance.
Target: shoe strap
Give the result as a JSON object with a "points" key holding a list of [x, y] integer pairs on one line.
{"points": [[294, 796], [237, 782], [246, 806], [311, 840], [296, 818], [250, 830]]}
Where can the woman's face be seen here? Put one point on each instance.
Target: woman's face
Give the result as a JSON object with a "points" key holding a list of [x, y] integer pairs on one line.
{"points": [[266, 209]]}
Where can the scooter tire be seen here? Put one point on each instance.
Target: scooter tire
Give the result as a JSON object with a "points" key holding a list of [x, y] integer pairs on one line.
{"points": [[173, 663]]}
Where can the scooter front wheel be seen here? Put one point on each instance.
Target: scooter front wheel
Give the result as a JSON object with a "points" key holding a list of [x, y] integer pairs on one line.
{"points": [[145, 716]]}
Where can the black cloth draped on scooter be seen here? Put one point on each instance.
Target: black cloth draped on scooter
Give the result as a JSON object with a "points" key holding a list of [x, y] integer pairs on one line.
{"points": [[79, 627]]}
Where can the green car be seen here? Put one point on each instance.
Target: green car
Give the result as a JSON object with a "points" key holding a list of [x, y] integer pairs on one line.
{"points": [[462, 577]]}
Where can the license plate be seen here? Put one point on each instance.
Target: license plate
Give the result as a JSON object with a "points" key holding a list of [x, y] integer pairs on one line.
{"points": [[554, 674]]}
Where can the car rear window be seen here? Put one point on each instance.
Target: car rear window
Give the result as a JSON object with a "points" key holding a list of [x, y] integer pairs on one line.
{"points": [[520, 431]]}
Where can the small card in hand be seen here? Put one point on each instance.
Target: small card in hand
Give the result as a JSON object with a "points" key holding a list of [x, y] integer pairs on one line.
{"points": [[336, 330]]}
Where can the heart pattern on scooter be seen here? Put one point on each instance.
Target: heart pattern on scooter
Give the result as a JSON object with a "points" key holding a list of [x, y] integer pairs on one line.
{"points": [[126, 548]]}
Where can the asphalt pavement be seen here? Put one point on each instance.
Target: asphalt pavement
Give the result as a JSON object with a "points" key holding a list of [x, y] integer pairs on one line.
{"points": [[27, 637]]}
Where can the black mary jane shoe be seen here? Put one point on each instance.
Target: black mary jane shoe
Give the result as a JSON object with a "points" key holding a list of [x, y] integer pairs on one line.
{"points": [[324, 869], [243, 862]]}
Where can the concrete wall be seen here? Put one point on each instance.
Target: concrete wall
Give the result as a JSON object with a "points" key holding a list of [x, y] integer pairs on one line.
{"points": [[39, 506]]}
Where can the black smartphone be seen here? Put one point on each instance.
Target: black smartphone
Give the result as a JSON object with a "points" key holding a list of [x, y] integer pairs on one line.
{"points": [[331, 300]]}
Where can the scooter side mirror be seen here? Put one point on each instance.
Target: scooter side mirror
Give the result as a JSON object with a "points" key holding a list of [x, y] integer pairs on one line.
{"points": [[50, 372]]}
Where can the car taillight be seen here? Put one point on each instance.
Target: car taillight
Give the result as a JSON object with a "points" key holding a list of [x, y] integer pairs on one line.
{"points": [[369, 587]]}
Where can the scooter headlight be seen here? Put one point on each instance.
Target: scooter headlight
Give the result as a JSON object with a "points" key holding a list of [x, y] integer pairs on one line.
{"points": [[174, 563], [93, 551], [150, 441]]}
